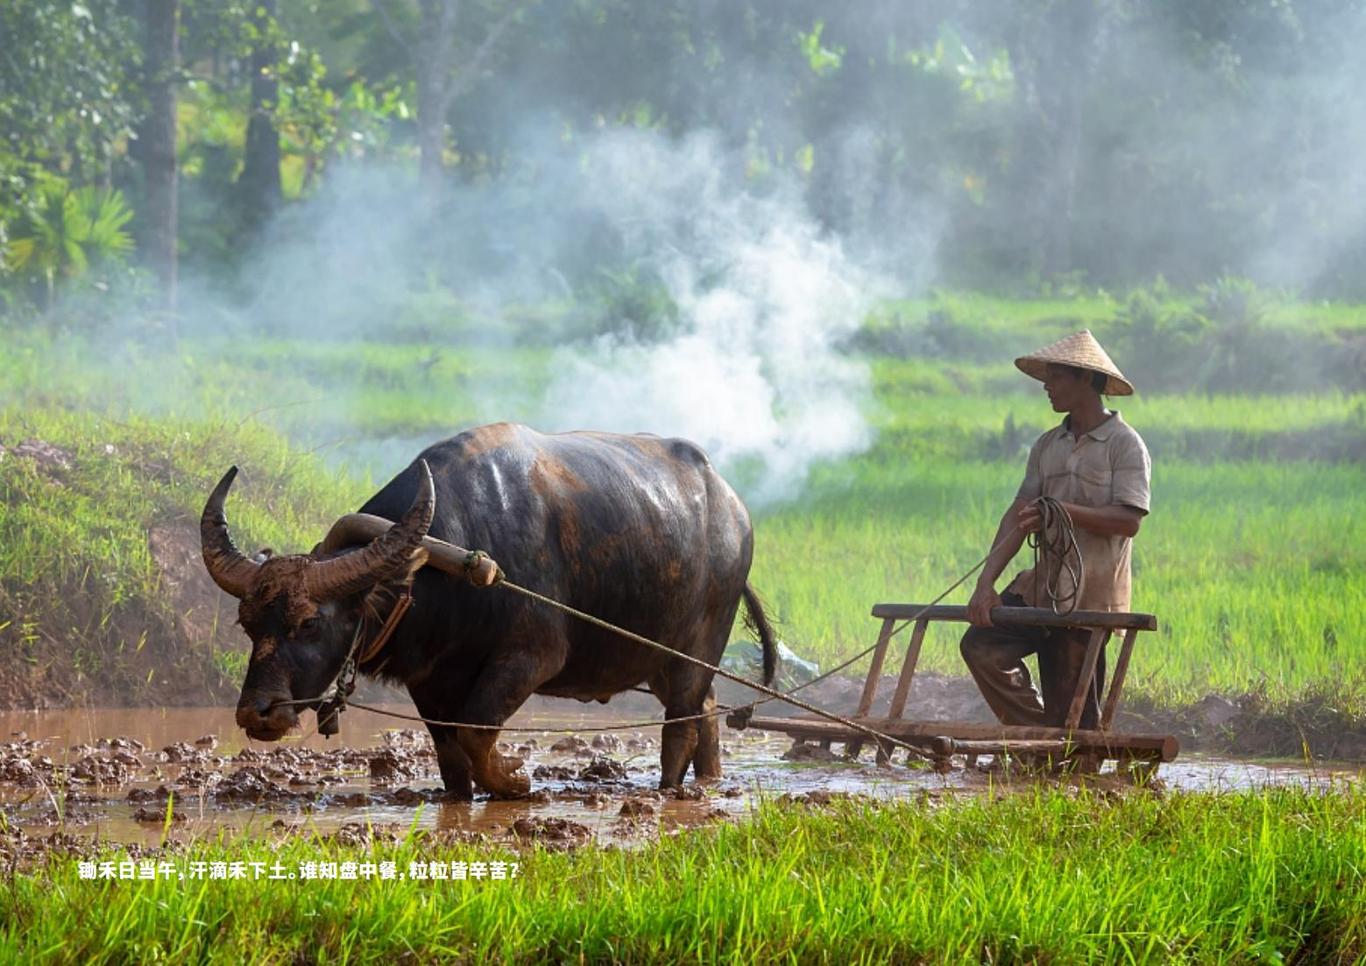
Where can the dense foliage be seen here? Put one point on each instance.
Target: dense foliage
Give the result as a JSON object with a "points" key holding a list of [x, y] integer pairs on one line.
{"points": [[1031, 147]]}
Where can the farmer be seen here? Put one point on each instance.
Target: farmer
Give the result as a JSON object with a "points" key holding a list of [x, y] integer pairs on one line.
{"points": [[1098, 469]]}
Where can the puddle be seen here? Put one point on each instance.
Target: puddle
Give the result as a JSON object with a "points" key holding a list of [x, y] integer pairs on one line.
{"points": [[107, 774]]}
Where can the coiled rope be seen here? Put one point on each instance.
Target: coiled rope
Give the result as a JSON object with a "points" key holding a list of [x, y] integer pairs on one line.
{"points": [[1056, 551]]}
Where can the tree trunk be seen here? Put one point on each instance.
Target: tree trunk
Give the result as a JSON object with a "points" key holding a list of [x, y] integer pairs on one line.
{"points": [[434, 51], [1055, 54], [259, 183], [158, 147]]}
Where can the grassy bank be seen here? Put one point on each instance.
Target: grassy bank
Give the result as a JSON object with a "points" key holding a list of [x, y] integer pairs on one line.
{"points": [[101, 594], [1036, 876]]}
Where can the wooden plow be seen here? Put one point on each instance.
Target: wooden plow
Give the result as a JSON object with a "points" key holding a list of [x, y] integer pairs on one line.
{"points": [[1068, 746]]}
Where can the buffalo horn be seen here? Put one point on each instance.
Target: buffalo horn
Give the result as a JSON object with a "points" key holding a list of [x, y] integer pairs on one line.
{"points": [[387, 554], [228, 567], [357, 528]]}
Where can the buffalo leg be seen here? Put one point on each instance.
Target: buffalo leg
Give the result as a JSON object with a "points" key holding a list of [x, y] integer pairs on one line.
{"points": [[450, 757], [454, 764], [679, 741], [686, 693], [706, 759], [499, 691]]}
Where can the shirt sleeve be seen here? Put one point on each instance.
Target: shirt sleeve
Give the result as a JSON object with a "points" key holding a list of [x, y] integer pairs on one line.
{"points": [[1032, 486], [1132, 474]]}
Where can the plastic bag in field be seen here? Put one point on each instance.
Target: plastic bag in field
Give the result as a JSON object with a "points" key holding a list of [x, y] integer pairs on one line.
{"points": [[746, 658]]}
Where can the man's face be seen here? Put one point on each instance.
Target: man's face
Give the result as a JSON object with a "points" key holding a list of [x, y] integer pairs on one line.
{"points": [[1067, 387]]}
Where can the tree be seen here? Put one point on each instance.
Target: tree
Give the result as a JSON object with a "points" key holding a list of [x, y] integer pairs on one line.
{"points": [[1054, 48], [66, 93], [260, 179], [64, 233], [445, 68], [157, 146]]}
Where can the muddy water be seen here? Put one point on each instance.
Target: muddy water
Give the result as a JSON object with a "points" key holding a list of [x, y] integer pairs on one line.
{"points": [[108, 773]]}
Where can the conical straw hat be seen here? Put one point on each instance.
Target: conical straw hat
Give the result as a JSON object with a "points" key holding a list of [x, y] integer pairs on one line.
{"points": [[1083, 351]]}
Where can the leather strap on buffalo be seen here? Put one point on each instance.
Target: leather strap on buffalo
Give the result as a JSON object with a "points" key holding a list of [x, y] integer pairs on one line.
{"points": [[387, 631]]}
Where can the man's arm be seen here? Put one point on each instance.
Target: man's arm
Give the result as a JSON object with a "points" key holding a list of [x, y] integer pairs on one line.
{"points": [[1009, 538], [1106, 521]]}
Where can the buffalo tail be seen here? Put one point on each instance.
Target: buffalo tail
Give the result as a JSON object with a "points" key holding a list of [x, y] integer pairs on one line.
{"points": [[757, 624]]}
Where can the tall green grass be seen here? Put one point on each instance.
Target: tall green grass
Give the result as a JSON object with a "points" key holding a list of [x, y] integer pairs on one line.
{"points": [[1043, 875]]}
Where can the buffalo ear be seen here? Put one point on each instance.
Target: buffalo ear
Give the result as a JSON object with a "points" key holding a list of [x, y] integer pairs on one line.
{"points": [[262, 555]]}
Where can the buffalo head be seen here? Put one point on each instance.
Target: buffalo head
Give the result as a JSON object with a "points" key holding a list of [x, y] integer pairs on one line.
{"points": [[301, 611]]}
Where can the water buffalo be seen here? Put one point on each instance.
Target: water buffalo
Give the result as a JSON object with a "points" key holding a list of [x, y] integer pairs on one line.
{"points": [[638, 530]]}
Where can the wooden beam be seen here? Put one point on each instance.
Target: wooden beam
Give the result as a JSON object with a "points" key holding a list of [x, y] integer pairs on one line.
{"points": [[963, 746], [1087, 679], [865, 701], [903, 683], [1164, 747], [1107, 714], [1024, 616]]}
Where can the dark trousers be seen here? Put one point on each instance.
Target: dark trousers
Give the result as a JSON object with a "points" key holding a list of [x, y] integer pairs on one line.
{"points": [[995, 656]]}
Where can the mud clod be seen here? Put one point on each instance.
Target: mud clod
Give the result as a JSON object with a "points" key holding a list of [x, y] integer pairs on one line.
{"points": [[196, 777], [636, 808], [560, 831], [159, 794], [602, 770], [804, 752], [552, 773], [153, 816], [358, 833], [390, 766], [181, 751], [99, 770], [22, 771], [250, 784]]}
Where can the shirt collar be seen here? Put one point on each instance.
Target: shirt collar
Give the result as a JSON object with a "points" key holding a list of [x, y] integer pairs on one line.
{"points": [[1102, 432]]}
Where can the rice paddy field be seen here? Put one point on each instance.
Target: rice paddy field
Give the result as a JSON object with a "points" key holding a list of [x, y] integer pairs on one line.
{"points": [[1253, 558]]}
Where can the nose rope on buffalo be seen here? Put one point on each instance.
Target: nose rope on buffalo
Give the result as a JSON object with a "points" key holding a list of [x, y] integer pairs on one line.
{"points": [[330, 706]]}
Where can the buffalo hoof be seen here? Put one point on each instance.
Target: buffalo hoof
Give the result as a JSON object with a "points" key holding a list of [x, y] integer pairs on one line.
{"points": [[506, 780]]}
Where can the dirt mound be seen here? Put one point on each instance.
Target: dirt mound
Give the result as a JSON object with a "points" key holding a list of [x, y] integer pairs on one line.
{"points": [[202, 611]]}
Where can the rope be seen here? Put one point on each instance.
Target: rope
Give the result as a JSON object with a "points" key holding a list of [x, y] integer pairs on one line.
{"points": [[761, 688], [652, 723], [1055, 546], [778, 696], [338, 701]]}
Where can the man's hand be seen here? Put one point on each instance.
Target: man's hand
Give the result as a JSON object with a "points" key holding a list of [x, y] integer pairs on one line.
{"points": [[984, 598], [1029, 519]]}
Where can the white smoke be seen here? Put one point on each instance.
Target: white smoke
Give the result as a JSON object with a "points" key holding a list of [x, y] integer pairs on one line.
{"points": [[753, 371]]}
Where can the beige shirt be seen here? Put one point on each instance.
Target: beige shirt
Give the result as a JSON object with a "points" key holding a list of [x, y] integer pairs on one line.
{"points": [[1107, 466]]}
